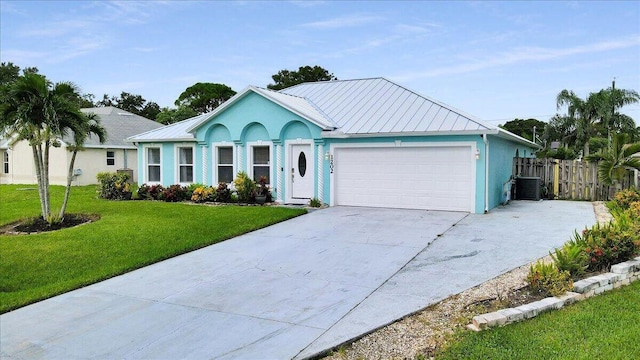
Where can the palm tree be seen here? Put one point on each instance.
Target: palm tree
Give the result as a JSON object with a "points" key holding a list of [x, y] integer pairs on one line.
{"points": [[583, 114], [616, 160], [82, 128], [611, 99], [40, 112]]}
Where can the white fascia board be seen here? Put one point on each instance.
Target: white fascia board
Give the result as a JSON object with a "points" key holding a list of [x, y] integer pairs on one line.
{"points": [[219, 109], [307, 117], [511, 136], [104, 146]]}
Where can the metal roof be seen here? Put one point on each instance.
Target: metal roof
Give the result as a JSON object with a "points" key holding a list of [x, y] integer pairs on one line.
{"points": [[171, 132], [379, 106], [119, 125], [362, 107]]}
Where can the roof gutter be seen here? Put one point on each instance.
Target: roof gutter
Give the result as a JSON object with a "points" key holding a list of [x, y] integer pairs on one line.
{"points": [[341, 135], [135, 141]]}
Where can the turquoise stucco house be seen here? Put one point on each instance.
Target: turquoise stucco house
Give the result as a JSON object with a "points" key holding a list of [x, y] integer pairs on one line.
{"points": [[364, 142]]}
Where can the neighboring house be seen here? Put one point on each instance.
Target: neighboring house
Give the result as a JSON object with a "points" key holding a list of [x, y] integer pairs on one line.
{"points": [[114, 155], [367, 142]]}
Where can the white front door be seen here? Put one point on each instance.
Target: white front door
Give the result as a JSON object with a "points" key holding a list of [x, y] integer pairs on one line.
{"points": [[301, 171]]}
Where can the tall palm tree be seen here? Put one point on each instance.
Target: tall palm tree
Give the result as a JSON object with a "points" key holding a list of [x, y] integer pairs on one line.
{"points": [[40, 112], [616, 160], [82, 128], [584, 114]]}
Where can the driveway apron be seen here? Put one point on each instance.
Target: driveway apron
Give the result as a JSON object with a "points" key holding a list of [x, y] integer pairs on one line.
{"points": [[291, 290]]}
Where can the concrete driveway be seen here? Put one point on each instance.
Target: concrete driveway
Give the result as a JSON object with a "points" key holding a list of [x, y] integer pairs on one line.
{"points": [[291, 290]]}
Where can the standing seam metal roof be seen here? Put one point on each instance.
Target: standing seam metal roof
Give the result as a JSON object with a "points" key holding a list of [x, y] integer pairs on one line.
{"points": [[377, 105], [365, 107]]}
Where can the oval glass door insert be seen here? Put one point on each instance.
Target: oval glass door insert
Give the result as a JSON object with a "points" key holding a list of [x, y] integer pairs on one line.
{"points": [[302, 164]]}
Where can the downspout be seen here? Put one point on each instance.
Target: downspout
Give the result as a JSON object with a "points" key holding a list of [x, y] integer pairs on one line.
{"points": [[124, 155], [486, 173]]}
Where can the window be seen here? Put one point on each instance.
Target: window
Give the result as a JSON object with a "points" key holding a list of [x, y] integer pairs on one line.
{"points": [[5, 162], [111, 158], [153, 164], [185, 165], [260, 163], [224, 164]]}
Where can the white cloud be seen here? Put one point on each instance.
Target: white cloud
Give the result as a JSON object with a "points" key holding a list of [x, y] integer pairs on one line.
{"points": [[343, 21], [525, 54]]}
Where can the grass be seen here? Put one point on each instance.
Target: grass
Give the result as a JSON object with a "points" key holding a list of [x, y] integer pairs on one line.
{"points": [[129, 235], [603, 327]]}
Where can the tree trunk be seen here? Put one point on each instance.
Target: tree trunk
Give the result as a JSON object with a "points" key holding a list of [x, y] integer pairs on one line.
{"points": [[37, 162], [45, 178], [67, 191], [585, 151]]}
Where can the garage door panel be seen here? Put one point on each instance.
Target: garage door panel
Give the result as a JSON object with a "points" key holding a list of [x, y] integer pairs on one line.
{"points": [[438, 178]]}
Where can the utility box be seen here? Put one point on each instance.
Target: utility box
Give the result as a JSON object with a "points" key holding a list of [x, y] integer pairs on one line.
{"points": [[128, 172], [528, 188]]}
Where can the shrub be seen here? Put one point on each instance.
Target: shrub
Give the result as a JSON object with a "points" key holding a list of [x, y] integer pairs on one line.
{"points": [[610, 244], [192, 187], [202, 194], [151, 192], [634, 211], [175, 193], [113, 186], [223, 193], [571, 258], [548, 280], [624, 198], [245, 187], [315, 203]]}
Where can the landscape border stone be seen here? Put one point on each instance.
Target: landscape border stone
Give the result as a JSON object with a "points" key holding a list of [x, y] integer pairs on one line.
{"points": [[621, 274]]}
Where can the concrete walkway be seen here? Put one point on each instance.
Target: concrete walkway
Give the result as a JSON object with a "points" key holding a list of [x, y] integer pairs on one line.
{"points": [[292, 290]]}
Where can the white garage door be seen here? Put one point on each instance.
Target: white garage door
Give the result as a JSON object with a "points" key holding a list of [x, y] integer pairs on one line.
{"points": [[432, 178]]}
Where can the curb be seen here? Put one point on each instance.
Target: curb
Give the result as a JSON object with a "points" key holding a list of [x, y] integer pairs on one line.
{"points": [[621, 274]]}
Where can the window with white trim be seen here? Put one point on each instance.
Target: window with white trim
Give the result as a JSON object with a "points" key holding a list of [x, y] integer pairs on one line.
{"points": [[153, 164], [111, 158], [224, 164], [5, 162], [185, 165], [261, 164]]}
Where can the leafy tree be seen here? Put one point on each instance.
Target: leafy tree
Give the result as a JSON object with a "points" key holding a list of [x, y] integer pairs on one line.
{"points": [[524, 128], [616, 160], [40, 112], [132, 103], [560, 128], [204, 97], [286, 78], [170, 116], [9, 72], [87, 101]]}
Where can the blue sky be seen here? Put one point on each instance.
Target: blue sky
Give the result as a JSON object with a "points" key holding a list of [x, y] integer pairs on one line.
{"points": [[494, 60]]}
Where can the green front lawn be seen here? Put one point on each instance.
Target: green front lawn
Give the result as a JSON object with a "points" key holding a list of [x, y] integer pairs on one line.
{"points": [[603, 327], [129, 235]]}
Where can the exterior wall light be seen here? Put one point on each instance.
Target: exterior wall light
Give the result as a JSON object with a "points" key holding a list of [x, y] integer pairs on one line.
{"points": [[477, 154]]}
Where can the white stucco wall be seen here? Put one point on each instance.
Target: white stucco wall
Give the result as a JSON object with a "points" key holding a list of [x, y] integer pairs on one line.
{"points": [[89, 161]]}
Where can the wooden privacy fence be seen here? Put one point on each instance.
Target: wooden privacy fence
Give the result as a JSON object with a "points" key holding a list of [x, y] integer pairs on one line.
{"points": [[569, 179]]}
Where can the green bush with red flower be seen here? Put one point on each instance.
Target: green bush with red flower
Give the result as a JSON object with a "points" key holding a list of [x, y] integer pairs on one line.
{"points": [[594, 249]]}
